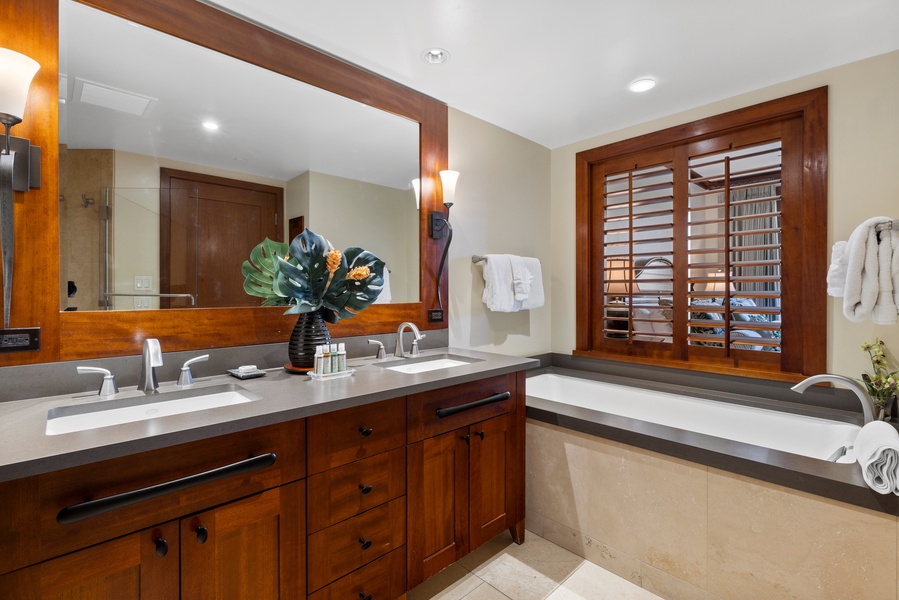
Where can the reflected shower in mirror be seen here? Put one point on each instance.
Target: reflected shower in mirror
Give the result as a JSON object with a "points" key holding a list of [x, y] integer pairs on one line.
{"points": [[135, 102]]}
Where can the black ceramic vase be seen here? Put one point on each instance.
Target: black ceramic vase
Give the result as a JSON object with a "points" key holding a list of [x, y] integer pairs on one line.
{"points": [[309, 332]]}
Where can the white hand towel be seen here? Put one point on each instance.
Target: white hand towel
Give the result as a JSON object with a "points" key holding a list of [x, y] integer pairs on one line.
{"points": [[535, 299], [894, 265], [884, 311], [877, 452], [862, 266], [836, 274], [521, 278], [499, 295]]}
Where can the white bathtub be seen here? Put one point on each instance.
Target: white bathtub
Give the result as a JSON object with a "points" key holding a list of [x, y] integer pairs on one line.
{"points": [[797, 434]]}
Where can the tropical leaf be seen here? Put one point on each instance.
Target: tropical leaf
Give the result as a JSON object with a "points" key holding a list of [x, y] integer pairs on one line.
{"points": [[259, 272], [346, 297]]}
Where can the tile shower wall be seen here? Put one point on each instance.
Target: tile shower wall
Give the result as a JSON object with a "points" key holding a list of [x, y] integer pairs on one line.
{"points": [[688, 532]]}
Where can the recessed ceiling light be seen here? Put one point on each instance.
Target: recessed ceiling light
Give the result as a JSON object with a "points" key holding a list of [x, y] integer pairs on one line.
{"points": [[435, 55], [210, 125], [642, 85]]}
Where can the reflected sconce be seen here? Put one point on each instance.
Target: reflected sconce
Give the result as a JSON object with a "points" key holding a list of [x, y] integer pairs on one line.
{"points": [[19, 160], [416, 187], [618, 280], [439, 225], [717, 284]]}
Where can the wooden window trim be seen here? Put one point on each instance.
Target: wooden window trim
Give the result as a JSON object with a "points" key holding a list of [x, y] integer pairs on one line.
{"points": [[806, 355]]}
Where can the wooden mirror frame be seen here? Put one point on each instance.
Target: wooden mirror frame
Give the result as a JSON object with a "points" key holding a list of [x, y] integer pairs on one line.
{"points": [[85, 335]]}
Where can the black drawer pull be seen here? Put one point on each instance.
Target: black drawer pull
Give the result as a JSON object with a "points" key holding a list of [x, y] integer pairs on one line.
{"points": [[480, 434], [365, 432], [162, 547], [442, 413], [92, 508], [466, 439], [202, 534], [366, 544], [364, 596], [365, 489]]}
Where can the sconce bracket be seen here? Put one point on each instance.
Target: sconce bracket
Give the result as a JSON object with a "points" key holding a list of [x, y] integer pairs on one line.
{"points": [[437, 225], [26, 164]]}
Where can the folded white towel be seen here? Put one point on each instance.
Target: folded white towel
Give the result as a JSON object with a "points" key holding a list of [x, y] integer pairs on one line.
{"points": [[521, 278], [536, 297], [877, 452], [861, 292], [836, 274], [499, 295], [885, 311]]}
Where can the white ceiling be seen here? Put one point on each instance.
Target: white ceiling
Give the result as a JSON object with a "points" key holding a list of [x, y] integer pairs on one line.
{"points": [[556, 72]]}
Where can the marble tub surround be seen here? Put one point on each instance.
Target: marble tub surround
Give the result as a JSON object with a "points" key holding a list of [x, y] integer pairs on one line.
{"points": [[686, 531]]}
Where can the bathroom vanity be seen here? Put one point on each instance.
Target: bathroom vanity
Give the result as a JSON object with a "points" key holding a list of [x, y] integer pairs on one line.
{"points": [[359, 487]]}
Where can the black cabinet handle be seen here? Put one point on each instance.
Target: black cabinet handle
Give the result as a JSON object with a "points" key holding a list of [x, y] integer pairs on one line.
{"points": [[466, 439], [162, 547], [92, 508], [202, 534], [442, 413], [364, 489], [365, 432], [366, 544], [364, 596], [480, 434]]}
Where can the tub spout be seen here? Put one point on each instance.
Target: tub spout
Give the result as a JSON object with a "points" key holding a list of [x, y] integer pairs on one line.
{"points": [[860, 391]]}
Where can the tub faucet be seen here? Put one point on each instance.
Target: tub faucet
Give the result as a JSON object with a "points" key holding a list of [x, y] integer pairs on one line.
{"points": [[152, 358], [400, 353], [863, 397]]}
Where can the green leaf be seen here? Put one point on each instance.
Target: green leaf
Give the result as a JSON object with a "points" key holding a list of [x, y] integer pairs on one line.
{"points": [[259, 272]]}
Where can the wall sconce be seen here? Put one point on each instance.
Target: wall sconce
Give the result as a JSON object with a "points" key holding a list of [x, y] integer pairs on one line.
{"points": [[717, 285], [416, 187], [16, 156], [618, 279], [439, 227]]}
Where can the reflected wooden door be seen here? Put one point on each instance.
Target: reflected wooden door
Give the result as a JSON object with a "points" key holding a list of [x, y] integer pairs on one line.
{"points": [[208, 226]]}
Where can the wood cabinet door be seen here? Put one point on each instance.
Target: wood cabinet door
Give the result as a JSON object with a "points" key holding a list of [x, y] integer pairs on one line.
{"points": [[489, 468], [437, 495], [250, 548], [140, 566]]}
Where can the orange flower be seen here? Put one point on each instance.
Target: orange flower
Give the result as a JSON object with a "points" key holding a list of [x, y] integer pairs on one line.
{"points": [[359, 273], [333, 261]]}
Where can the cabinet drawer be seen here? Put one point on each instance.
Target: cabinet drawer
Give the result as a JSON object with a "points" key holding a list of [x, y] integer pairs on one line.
{"points": [[178, 477], [348, 435], [467, 403], [346, 491], [383, 579], [346, 546]]}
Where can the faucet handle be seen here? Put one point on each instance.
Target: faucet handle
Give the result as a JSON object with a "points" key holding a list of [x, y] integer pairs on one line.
{"points": [[381, 352], [186, 378], [108, 387], [415, 351]]}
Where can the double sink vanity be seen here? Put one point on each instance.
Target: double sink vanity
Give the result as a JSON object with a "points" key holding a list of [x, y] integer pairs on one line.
{"points": [[280, 486]]}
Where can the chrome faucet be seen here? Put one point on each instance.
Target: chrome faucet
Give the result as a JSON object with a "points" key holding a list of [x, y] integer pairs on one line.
{"points": [[399, 353], [860, 391], [152, 358]]}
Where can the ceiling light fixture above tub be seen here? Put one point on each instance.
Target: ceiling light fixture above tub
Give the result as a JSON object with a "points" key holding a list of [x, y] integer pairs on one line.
{"points": [[435, 56], [642, 85], [210, 125]]}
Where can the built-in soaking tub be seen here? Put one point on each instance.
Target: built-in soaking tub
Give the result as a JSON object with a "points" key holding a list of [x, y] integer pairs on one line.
{"points": [[813, 437], [798, 446]]}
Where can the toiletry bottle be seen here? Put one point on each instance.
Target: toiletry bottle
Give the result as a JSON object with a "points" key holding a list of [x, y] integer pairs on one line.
{"points": [[341, 357], [334, 358], [326, 359], [317, 369]]}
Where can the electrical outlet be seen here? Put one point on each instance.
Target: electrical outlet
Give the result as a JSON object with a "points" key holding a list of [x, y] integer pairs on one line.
{"points": [[435, 315], [26, 339]]}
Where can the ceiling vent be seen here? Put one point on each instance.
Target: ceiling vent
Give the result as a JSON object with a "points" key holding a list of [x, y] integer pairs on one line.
{"points": [[98, 94]]}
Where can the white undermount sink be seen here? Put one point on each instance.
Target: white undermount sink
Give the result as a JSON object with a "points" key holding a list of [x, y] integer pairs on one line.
{"points": [[423, 364], [82, 417]]}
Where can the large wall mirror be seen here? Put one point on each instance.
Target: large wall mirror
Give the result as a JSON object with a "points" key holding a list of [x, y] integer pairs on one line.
{"points": [[136, 102], [332, 171]]}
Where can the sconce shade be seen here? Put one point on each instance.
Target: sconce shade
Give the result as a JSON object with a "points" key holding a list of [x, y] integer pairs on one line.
{"points": [[16, 73], [618, 277], [717, 285], [448, 180], [416, 185]]}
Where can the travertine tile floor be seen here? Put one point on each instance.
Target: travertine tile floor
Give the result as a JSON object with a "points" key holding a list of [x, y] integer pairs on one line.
{"points": [[536, 570]]}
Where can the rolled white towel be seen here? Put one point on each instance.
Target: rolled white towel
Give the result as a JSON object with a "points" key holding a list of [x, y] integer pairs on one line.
{"points": [[836, 274], [877, 452]]}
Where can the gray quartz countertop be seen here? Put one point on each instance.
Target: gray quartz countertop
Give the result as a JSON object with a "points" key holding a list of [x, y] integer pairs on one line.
{"points": [[26, 449]]}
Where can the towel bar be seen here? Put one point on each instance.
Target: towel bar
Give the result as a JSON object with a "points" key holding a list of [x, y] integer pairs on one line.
{"points": [[894, 224]]}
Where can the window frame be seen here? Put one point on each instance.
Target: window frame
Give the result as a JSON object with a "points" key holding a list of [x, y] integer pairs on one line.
{"points": [[804, 235]]}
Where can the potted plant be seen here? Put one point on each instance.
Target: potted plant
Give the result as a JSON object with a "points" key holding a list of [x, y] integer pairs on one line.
{"points": [[317, 282], [882, 383]]}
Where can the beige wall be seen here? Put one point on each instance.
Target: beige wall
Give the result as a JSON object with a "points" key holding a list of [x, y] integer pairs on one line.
{"points": [[862, 183], [502, 207]]}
